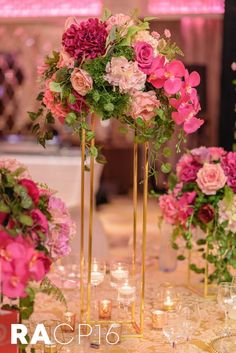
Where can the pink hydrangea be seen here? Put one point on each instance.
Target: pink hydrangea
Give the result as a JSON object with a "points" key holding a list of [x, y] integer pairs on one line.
{"points": [[125, 74], [12, 165], [229, 166], [62, 228], [216, 153], [211, 178], [201, 155], [168, 206], [54, 104]]}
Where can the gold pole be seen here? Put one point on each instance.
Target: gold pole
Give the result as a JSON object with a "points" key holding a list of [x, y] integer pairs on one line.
{"points": [[91, 207], [206, 273], [82, 224], [144, 236], [135, 203]]}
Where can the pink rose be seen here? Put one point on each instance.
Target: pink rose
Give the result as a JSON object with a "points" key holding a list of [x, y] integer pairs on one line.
{"points": [[81, 81], [31, 188], [144, 56], [211, 178], [119, 20], [144, 105]]}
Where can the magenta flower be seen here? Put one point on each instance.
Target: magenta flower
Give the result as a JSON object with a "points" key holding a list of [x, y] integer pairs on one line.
{"points": [[40, 220], [80, 104], [168, 76], [228, 164], [86, 40], [144, 56], [201, 154], [31, 188], [191, 80]]}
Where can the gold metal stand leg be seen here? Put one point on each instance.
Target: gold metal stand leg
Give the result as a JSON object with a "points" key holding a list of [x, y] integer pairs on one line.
{"points": [[91, 208], [144, 236], [206, 273], [135, 208], [82, 225]]}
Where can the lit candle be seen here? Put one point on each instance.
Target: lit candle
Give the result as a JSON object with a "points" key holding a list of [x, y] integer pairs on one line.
{"points": [[50, 348], [105, 309], [168, 304], [69, 319], [158, 319], [96, 277], [127, 290], [120, 274]]}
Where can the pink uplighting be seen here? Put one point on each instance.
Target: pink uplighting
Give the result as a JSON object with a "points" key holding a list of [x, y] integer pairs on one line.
{"points": [[172, 7], [42, 8]]}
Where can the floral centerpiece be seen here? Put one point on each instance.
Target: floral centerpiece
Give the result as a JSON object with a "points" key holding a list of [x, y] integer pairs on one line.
{"points": [[203, 195], [35, 231], [117, 68]]}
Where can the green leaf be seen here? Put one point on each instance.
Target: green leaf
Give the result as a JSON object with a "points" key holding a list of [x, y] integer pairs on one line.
{"points": [[72, 98], [109, 107], [71, 118], [90, 135], [4, 208], [132, 31], [35, 128], [49, 118], [25, 220], [166, 168], [140, 122], [181, 257], [167, 152], [150, 18], [55, 87], [40, 96], [62, 74], [93, 151], [96, 96], [47, 287], [106, 14]]}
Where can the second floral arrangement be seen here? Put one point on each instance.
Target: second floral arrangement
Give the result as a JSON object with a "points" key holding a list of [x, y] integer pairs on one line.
{"points": [[202, 195]]}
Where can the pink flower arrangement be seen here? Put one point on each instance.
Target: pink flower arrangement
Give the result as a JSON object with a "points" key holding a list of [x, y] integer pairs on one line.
{"points": [[35, 230], [104, 64], [203, 196]]}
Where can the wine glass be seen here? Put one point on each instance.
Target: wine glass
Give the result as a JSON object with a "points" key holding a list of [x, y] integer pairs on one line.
{"points": [[226, 301], [190, 314], [173, 328]]}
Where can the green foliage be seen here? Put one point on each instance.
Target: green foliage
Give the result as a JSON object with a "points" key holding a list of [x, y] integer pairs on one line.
{"points": [[47, 287]]}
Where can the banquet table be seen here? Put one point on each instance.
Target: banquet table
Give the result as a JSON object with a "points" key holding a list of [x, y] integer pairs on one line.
{"points": [[153, 341]]}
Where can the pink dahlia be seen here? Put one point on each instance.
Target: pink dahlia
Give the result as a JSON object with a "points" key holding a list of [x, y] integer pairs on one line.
{"points": [[228, 164], [54, 104], [187, 169], [86, 40]]}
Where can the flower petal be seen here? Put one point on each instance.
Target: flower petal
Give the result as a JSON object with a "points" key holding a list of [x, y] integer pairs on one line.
{"points": [[172, 85], [192, 124]]}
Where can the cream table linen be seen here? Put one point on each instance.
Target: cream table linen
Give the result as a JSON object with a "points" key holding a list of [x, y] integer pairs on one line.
{"points": [[153, 341]]}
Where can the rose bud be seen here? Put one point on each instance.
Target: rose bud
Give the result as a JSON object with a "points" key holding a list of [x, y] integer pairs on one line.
{"points": [[206, 213]]}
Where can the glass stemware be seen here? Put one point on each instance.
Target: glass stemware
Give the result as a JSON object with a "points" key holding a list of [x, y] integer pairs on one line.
{"points": [[126, 295], [173, 328], [226, 301], [191, 318]]}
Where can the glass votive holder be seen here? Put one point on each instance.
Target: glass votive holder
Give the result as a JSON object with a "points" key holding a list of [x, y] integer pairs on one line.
{"points": [[168, 297], [119, 273], [115, 333], [69, 318], [105, 309], [158, 319], [127, 293], [50, 348]]}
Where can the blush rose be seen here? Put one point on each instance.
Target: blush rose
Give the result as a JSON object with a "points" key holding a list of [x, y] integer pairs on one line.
{"points": [[211, 178]]}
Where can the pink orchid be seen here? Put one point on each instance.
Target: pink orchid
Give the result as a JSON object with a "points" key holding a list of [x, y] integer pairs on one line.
{"points": [[168, 76], [39, 266], [191, 80]]}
